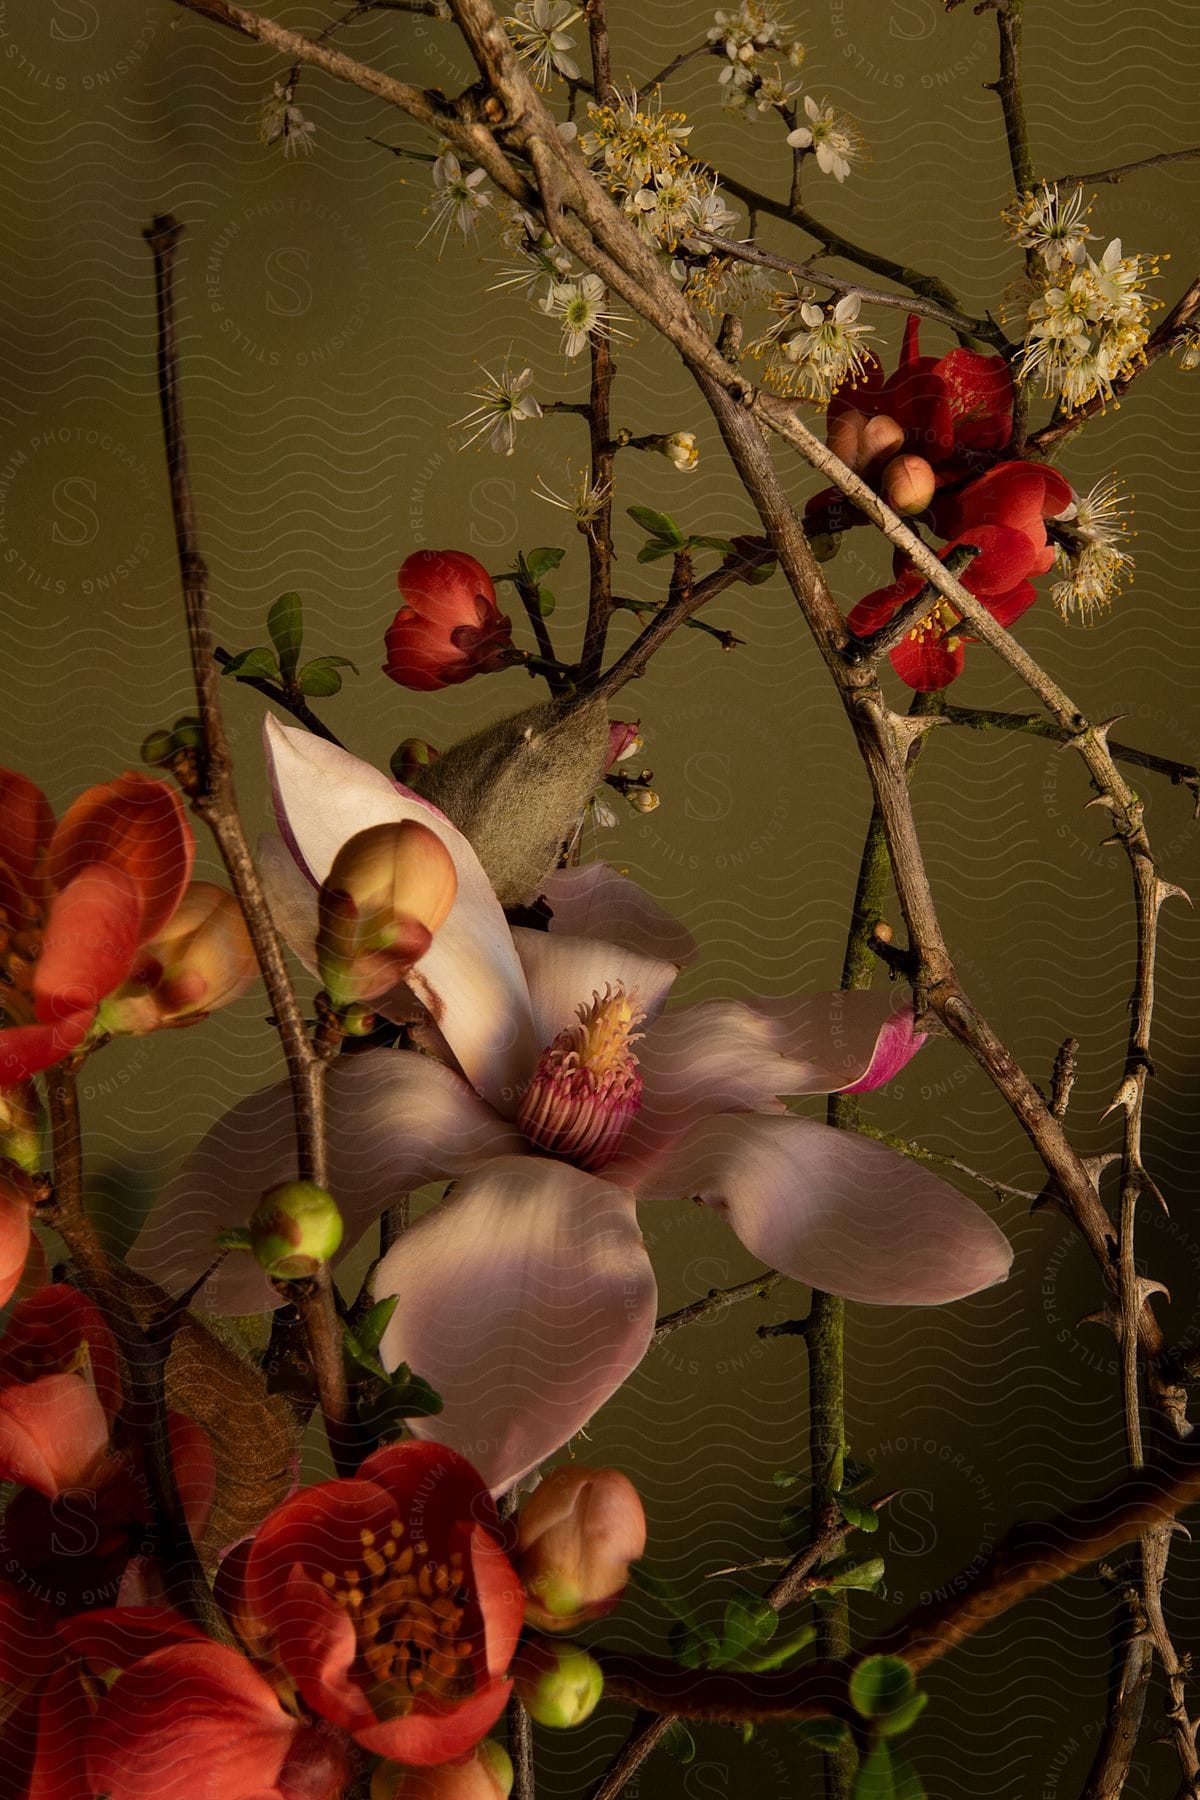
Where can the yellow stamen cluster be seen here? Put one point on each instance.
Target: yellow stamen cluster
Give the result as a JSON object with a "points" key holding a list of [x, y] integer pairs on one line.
{"points": [[407, 1610], [941, 622]]}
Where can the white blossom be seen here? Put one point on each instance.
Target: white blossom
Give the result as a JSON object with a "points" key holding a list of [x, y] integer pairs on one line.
{"points": [[457, 198], [538, 28], [504, 403], [581, 309], [281, 121], [833, 139]]}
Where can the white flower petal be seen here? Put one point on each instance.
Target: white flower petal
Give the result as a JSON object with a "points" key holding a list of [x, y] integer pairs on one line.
{"points": [[395, 1121], [596, 901], [565, 972], [470, 978], [838, 1211], [525, 1299]]}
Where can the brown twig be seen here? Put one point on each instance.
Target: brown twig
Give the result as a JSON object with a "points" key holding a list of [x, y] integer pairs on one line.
{"points": [[677, 611], [214, 800], [717, 1300], [1099, 177], [291, 702]]}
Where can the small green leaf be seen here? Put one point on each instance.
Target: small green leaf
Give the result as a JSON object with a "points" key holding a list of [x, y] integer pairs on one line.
{"points": [[881, 1685], [285, 622], [259, 663], [661, 524], [678, 1742], [540, 562], [786, 1478], [373, 1325], [694, 1646], [545, 602], [874, 1779], [823, 1734], [749, 1623], [654, 549], [848, 1573], [780, 1653], [864, 1517], [904, 1717], [712, 543], [906, 1783], [320, 677], [854, 1475]]}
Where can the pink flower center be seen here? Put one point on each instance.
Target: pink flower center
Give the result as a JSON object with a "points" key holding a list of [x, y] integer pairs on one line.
{"points": [[586, 1087]]}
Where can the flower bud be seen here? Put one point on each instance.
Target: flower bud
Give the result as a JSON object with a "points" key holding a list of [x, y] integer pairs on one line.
{"points": [[411, 756], [450, 627], [294, 1229], [643, 800], [558, 1684], [21, 1126], [624, 741], [679, 448], [389, 890], [881, 438], [202, 959], [577, 1535], [159, 747], [487, 1774], [16, 1237], [909, 484]]}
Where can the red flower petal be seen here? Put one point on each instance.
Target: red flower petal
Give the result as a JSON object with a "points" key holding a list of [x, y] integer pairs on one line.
{"points": [[26, 826], [1006, 609], [44, 1337], [444, 586], [191, 1709], [1006, 557], [90, 942], [137, 825], [53, 1433], [980, 391], [926, 664], [28, 1049], [15, 1238]]}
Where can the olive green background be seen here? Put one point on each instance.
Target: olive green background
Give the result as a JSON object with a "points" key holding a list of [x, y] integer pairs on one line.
{"points": [[326, 357]]}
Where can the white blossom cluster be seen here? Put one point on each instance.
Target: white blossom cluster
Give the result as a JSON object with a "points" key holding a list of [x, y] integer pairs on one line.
{"points": [[638, 151], [812, 349], [1092, 534], [756, 43], [1087, 320]]}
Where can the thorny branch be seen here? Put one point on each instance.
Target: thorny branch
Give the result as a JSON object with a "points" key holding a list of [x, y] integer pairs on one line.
{"points": [[604, 242]]}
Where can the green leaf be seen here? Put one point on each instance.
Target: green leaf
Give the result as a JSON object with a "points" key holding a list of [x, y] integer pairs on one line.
{"points": [[905, 1781], [259, 663], [373, 1325], [406, 1396], [904, 1717], [864, 1517], [848, 1573], [823, 1734], [881, 1685], [285, 622], [540, 562], [694, 1646], [749, 1623], [855, 1474], [874, 1780], [545, 602], [712, 543], [654, 549], [661, 524], [320, 677], [678, 1742], [786, 1478], [780, 1653]]}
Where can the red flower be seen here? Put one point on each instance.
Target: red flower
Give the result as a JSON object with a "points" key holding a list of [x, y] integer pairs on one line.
{"points": [[80, 1519], [76, 902], [388, 1601], [450, 627], [1004, 515], [16, 1235]]}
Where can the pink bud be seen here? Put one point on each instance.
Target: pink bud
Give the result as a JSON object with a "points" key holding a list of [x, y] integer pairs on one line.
{"points": [[200, 960], [389, 890], [450, 627], [909, 484], [882, 437], [577, 1535]]}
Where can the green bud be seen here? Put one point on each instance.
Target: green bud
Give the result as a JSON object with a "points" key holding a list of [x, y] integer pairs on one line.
{"points": [[159, 747], [358, 1021], [187, 733], [295, 1228], [559, 1684]]}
